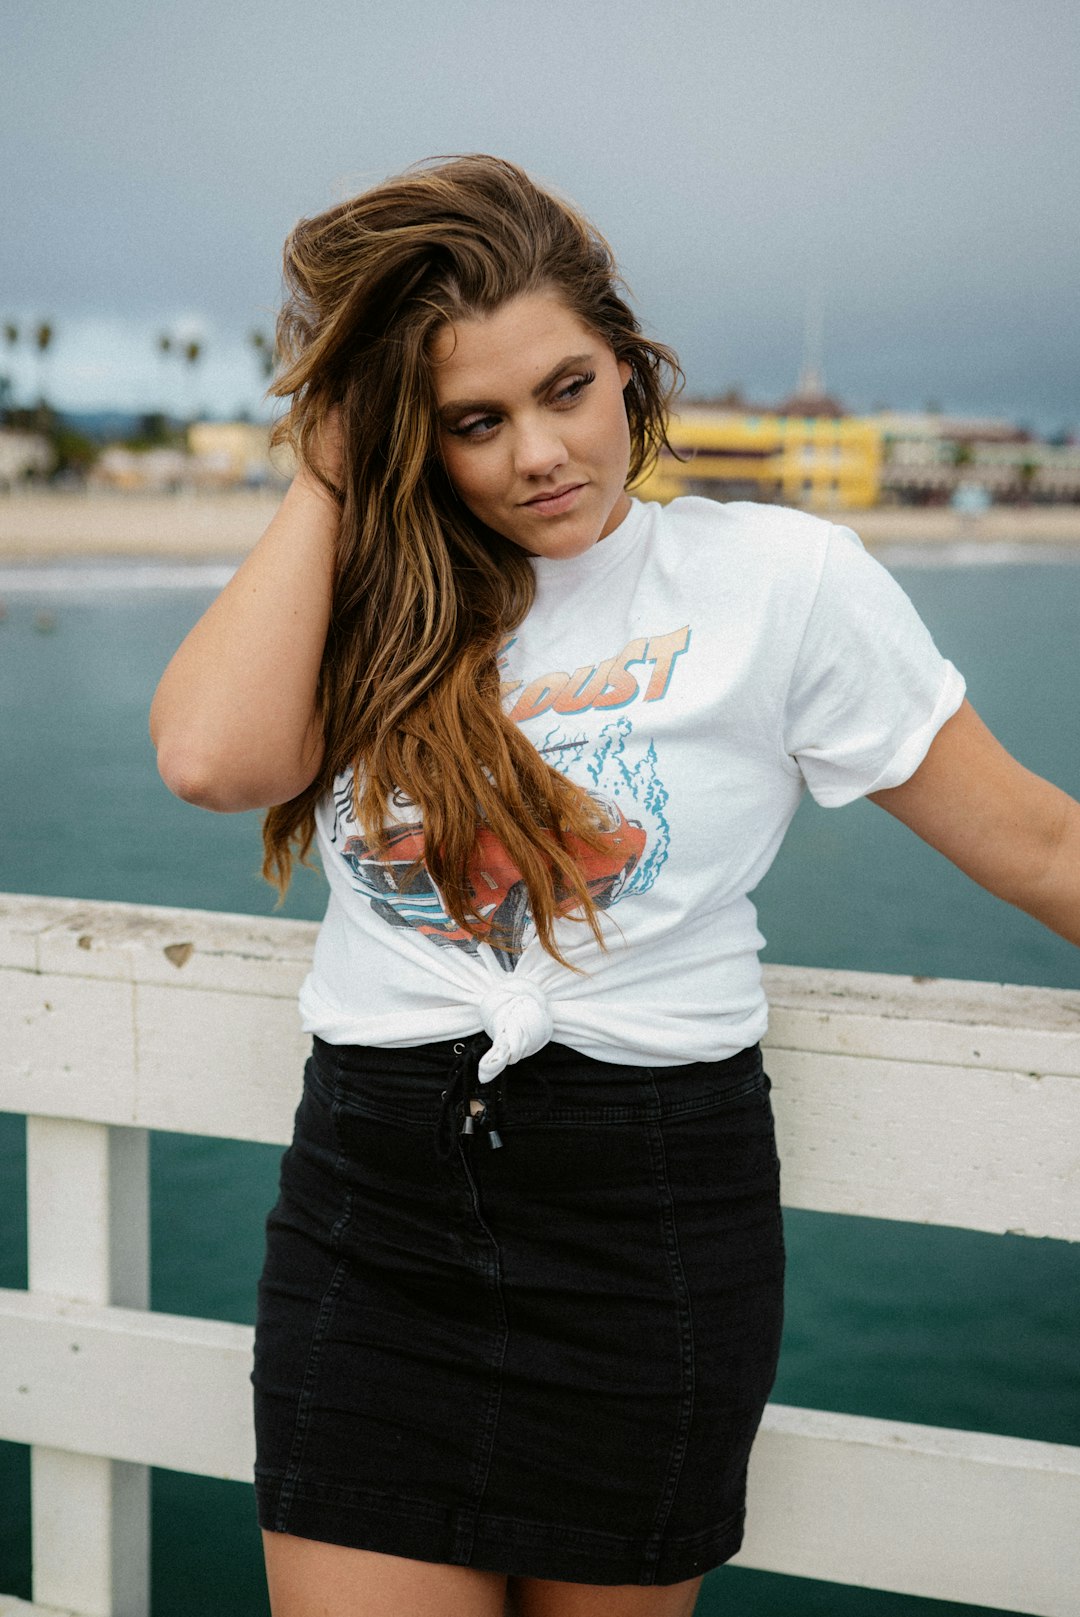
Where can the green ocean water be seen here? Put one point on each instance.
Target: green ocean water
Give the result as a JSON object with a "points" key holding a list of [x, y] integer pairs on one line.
{"points": [[938, 1326]]}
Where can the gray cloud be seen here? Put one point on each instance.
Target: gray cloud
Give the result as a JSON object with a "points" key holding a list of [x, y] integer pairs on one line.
{"points": [[919, 162]]}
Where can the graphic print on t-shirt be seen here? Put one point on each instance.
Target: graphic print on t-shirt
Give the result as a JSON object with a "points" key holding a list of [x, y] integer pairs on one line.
{"points": [[603, 685], [618, 772]]}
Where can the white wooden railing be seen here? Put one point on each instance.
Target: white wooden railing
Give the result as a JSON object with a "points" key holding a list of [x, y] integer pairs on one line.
{"points": [[938, 1102]]}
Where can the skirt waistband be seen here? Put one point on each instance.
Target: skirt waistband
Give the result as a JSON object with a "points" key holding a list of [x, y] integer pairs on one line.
{"points": [[420, 1085]]}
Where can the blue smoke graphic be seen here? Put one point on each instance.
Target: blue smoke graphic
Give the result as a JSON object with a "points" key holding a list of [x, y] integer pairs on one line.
{"points": [[634, 786]]}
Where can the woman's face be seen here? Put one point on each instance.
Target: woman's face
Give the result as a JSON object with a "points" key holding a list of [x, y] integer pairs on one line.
{"points": [[533, 425]]}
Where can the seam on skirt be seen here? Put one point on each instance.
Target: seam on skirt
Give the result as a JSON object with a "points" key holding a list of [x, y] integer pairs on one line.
{"points": [[353, 1496], [654, 1543], [467, 1516], [318, 1340], [558, 1116], [616, 1558]]}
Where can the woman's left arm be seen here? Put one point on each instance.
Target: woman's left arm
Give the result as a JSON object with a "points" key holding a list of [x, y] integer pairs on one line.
{"points": [[1009, 830]]}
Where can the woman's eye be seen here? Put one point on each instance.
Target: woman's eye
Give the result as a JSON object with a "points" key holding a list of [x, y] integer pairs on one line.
{"points": [[481, 426], [475, 426], [573, 390]]}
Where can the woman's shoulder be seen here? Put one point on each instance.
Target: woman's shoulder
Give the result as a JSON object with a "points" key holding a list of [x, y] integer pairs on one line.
{"points": [[743, 536], [735, 518]]}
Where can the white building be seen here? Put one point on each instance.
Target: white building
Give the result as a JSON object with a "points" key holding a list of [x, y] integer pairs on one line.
{"points": [[22, 455]]}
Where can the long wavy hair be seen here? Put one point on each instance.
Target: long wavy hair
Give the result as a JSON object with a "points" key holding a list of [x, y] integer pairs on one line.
{"points": [[423, 592]]}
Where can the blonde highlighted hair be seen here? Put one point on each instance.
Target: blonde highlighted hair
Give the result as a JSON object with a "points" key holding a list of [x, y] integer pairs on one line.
{"points": [[423, 592]]}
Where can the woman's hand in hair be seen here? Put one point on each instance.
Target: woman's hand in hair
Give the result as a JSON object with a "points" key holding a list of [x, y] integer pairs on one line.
{"points": [[325, 453]]}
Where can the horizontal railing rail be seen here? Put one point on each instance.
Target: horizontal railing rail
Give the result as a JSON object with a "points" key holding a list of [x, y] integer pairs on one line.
{"points": [[950, 1103]]}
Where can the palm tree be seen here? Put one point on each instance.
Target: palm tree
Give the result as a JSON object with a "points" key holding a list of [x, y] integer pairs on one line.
{"points": [[192, 352], [165, 346], [43, 336], [267, 353], [11, 337]]}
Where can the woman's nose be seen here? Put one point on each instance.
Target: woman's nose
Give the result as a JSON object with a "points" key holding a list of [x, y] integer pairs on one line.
{"points": [[538, 449]]}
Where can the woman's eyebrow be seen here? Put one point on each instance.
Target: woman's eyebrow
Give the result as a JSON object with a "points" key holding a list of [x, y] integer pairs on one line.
{"points": [[460, 406]]}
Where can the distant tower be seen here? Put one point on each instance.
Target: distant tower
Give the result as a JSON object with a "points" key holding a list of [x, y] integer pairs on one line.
{"points": [[810, 397], [811, 383]]}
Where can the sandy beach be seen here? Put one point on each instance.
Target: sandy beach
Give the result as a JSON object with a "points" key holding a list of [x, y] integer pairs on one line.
{"points": [[42, 525]]}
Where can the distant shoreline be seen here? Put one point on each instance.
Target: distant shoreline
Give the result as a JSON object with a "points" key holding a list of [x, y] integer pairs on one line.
{"points": [[65, 526], [69, 526]]}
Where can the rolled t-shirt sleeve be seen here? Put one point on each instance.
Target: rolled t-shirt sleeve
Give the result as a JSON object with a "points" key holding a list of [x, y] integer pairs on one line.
{"points": [[869, 689]]}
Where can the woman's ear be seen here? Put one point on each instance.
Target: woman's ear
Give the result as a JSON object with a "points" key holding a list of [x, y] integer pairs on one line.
{"points": [[626, 370]]}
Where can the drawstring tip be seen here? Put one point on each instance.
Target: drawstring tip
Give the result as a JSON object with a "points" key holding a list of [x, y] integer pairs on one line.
{"points": [[467, 1125], [496, 1139]]}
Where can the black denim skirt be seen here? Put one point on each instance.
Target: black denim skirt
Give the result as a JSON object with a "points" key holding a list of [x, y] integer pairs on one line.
{"points": [[540, 1346]]}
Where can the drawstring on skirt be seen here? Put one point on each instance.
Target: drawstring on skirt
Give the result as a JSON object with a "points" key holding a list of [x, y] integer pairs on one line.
{"points": [[464, 1113], [460, 1099]]}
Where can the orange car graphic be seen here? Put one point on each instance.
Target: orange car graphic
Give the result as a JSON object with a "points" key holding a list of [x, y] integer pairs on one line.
{"points": [[413, 900]]}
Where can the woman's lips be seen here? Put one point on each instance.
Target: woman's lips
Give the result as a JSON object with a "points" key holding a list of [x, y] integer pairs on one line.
{"points": [[557, 501]]}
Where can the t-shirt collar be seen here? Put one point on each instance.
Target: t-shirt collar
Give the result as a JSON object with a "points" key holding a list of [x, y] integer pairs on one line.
{"points": [[607, 553]]}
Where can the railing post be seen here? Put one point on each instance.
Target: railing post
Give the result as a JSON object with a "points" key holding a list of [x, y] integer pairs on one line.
{"points": [[88, 1196]]}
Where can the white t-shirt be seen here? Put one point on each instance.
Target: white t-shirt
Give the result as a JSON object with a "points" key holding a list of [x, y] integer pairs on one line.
{"points": [[694, 671]]}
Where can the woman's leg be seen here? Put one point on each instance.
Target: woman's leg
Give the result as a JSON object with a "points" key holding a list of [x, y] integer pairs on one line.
{"points": [[310, 1579], [539, 1597]]}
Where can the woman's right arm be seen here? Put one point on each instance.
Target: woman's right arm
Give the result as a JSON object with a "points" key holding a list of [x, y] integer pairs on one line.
{"points": [[234, 718]]}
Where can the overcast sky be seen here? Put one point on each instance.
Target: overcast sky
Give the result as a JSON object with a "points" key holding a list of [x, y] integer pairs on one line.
{"points": [[918, 160]]}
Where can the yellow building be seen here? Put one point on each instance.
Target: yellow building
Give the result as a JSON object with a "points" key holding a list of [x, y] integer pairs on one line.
{"points": [[231, 452], [818, 462]]}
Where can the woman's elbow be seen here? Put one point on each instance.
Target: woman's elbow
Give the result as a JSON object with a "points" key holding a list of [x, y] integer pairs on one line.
{"points": [[196, 780], [228, 786]]}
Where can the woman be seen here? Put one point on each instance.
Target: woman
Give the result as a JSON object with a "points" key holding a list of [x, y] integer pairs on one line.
{"points": [[522, 1296]]}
